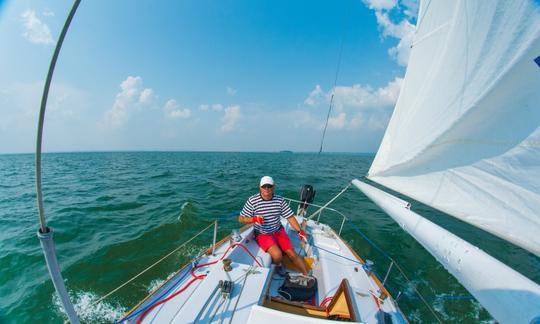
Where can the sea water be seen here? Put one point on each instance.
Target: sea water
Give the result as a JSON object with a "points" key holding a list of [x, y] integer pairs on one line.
{"points": [[116, 213]]}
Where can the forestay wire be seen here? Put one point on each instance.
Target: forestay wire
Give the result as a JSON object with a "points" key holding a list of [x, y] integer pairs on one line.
{"points": [[333, 93]]}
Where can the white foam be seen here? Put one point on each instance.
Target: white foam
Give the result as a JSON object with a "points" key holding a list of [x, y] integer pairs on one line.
{"points": [[83, 301], [156, 283]]}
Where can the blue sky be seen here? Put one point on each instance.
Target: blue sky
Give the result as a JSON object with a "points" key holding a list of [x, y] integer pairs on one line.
{"points": [[203, 75]]}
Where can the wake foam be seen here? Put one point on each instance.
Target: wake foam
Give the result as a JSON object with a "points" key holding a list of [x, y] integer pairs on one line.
{"points": [[156, 283], [83, 301]]}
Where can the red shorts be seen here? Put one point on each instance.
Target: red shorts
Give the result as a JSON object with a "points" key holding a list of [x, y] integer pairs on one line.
{"points": [[279, 238]]}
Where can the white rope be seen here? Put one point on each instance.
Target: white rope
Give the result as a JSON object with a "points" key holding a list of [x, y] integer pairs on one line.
{"points": [[155, 263]]}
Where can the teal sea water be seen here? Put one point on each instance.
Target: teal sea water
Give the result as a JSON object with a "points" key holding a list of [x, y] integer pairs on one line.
{"points": [[114, 214]]}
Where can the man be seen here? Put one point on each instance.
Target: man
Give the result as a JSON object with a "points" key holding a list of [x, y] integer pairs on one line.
{"points": [[264, 210]]}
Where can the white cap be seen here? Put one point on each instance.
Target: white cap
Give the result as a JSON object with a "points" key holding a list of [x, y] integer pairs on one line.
{"points": [[266, 180]]}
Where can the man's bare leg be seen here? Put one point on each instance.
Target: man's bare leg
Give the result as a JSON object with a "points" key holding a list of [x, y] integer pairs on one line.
{"points": [[275, 254], [297, 261]]}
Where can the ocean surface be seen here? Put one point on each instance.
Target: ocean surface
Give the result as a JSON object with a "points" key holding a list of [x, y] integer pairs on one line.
{"points": [[115, 213]]}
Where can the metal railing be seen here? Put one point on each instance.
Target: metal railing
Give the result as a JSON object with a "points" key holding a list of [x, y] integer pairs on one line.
{"points": [[319, 212]]}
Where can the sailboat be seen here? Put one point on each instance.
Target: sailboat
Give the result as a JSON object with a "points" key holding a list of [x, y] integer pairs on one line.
{"points": [[464, 139]]}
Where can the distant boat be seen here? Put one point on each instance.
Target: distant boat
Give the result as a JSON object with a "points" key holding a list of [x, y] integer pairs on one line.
{"points": [[286, 152]]}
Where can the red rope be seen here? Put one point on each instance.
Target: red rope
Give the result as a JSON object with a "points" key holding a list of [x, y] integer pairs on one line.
{"points": [[196, 277], [325, 301], [143, 315]]}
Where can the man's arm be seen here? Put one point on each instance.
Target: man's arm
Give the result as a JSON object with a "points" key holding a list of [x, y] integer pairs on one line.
{"points": [[248, 220], [245, 219], [294, 223]]}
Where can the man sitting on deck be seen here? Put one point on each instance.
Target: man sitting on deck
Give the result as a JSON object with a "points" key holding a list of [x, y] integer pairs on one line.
{"points": [[264, 210]]}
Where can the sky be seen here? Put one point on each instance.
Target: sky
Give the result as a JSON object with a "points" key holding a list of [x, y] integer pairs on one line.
{"points": [[231, 75]]}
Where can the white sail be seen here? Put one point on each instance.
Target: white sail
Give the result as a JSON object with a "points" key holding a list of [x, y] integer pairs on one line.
{"points": [[465, 134]]}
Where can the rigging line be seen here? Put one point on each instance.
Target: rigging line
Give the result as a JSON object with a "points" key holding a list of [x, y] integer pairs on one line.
{"points": [[396, 264], [248, 272], [329, 202], [154, 264], [333, 93]]}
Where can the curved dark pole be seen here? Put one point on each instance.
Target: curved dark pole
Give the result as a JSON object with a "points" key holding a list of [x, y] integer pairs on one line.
{"points": [[45, 233], [44, 97]]}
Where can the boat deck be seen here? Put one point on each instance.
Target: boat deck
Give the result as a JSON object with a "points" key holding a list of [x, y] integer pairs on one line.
{"points": [[254, 296]]}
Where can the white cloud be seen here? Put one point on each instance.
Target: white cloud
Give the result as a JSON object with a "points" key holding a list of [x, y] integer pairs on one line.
{"points": [[315, 96], [35, 30], [357, 121], [381, 4], [214, 107], [359, 106], [173, 110], [404, 30], [66, 115], [411, 8], [146, 97], [48, 13], [131, 96], [358, 96], [231, 117], [301, 118], [337, 122], [378, 121], [231, 91]]}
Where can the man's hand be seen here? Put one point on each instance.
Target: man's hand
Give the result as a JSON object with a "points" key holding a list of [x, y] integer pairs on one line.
{"points": [[302, 235], [257, 220]]}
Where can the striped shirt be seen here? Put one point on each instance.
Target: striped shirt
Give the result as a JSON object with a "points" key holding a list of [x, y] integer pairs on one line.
{"points": [[271, 210]]}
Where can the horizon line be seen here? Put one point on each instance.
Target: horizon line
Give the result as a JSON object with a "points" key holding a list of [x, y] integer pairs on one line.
{"points": [[188, 151]]}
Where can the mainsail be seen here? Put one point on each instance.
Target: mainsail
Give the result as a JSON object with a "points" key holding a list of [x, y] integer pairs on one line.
{"points": [[464, 137]]}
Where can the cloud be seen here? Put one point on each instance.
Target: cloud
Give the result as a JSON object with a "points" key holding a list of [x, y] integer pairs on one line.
{"points": [[231, 91], [403, 31], [231, 117], [48, 13], [357, 96], [337, 122], [146, 97], [358, 106], [315, 96], [35, 30], [66, 114], [131, 96], [214, 107], [381, 4], [173, 110]]}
